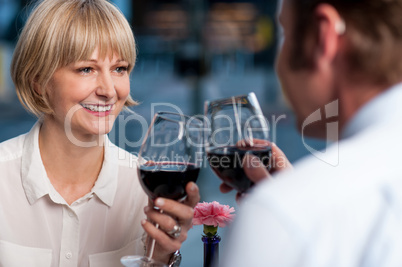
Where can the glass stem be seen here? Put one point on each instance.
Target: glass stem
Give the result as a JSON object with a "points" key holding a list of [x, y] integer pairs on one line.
{"points": [[152, 241]]}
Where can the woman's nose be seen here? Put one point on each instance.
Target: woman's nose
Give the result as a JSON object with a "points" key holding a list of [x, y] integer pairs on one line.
{"points": [[106, 86]]}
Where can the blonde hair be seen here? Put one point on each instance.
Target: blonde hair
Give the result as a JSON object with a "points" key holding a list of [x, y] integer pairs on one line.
{"points": [[60, 32]]}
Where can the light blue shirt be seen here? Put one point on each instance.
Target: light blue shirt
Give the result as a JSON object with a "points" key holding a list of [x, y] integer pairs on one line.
{"points": [[320, 215]]}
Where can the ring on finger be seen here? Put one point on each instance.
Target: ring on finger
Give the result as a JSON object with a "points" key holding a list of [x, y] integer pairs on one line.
{"points": [[175, 232]]}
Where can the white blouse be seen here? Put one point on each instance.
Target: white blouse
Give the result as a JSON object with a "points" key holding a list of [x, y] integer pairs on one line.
{"points": [[38, 227]]}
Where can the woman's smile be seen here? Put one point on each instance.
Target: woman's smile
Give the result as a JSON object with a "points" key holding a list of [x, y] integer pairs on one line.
{"points": [[98, 110]]}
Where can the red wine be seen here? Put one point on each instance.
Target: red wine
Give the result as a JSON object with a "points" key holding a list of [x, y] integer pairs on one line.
{"points": [[227, 163], [167, 179]]}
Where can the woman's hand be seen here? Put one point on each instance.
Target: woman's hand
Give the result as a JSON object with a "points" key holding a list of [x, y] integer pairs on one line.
{"points": [[174, 213], [255, 169]]}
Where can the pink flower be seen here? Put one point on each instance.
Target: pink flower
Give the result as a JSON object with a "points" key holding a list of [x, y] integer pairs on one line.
{"points": [[213, 214]]}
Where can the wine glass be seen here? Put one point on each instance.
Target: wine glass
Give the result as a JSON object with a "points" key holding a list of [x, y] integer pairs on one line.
{"points": [[170, 157], [237, 127]]}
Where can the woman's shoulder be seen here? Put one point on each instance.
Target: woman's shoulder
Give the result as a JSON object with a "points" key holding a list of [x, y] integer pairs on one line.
{"points": [[12, 148]]}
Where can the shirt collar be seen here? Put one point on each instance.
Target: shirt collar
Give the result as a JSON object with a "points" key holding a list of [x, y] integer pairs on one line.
{"points": [[382, 109], [106, 185], [33, 173], [36, 183]]}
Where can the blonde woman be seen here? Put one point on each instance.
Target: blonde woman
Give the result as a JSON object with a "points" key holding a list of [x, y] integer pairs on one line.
{"points": [[68, 197]]}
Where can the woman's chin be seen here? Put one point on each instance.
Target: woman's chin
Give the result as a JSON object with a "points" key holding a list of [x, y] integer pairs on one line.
{"points": [[101, 128], [96, 128]]}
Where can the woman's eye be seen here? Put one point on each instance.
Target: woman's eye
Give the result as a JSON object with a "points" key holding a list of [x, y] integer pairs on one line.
{"points": [[121, 69], [85, 70]]}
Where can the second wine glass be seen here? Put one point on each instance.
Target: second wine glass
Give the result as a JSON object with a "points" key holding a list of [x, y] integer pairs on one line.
{"points": [[237, 127], [169, 158]]}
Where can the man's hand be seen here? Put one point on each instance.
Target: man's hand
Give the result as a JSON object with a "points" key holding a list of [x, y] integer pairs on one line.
{"points": [[255, 169]]}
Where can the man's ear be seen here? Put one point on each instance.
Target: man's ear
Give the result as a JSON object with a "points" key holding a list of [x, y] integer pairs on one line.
{"points": [[330, 27]]}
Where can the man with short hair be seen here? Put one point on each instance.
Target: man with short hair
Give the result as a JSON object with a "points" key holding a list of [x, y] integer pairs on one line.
{"points": [[340, 61]]}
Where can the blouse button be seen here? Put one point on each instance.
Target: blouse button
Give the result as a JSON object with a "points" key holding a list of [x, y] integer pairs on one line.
{"points": [[69, 255]]}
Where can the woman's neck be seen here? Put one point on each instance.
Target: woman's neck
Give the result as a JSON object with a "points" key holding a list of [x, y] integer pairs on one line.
{"points": [[72, 169]]}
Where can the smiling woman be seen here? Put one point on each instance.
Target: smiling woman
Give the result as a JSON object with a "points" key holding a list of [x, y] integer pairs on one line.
{"points": [[88, 95], [80, 193], [61, 33]]}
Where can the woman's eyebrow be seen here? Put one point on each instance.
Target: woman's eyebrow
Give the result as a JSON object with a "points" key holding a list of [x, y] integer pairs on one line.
{"points": [[96, 61]]}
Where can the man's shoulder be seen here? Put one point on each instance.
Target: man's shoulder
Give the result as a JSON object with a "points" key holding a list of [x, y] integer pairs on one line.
{"points": [[367, 159], [316, 189], [341, 169], [324, 209]]}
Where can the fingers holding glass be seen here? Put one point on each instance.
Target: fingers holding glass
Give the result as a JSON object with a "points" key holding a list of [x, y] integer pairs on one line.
{"points": [[169, 159], [174, 232]]}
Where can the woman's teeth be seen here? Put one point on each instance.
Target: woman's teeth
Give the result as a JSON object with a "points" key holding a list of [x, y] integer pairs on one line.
{"points": [[97, 108]]}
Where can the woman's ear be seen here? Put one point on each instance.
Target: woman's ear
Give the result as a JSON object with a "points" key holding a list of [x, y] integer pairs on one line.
{"points": [[36, 86]]}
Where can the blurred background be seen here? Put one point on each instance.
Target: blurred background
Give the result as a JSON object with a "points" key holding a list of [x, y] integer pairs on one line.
{"points": [[189, 51]]}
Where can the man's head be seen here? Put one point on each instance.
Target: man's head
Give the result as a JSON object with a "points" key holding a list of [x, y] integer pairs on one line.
{"points": [[332, 42], [373, 36]]}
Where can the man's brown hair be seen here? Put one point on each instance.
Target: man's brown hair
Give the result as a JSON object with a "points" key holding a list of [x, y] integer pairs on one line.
{"points": [[373, 36]]}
